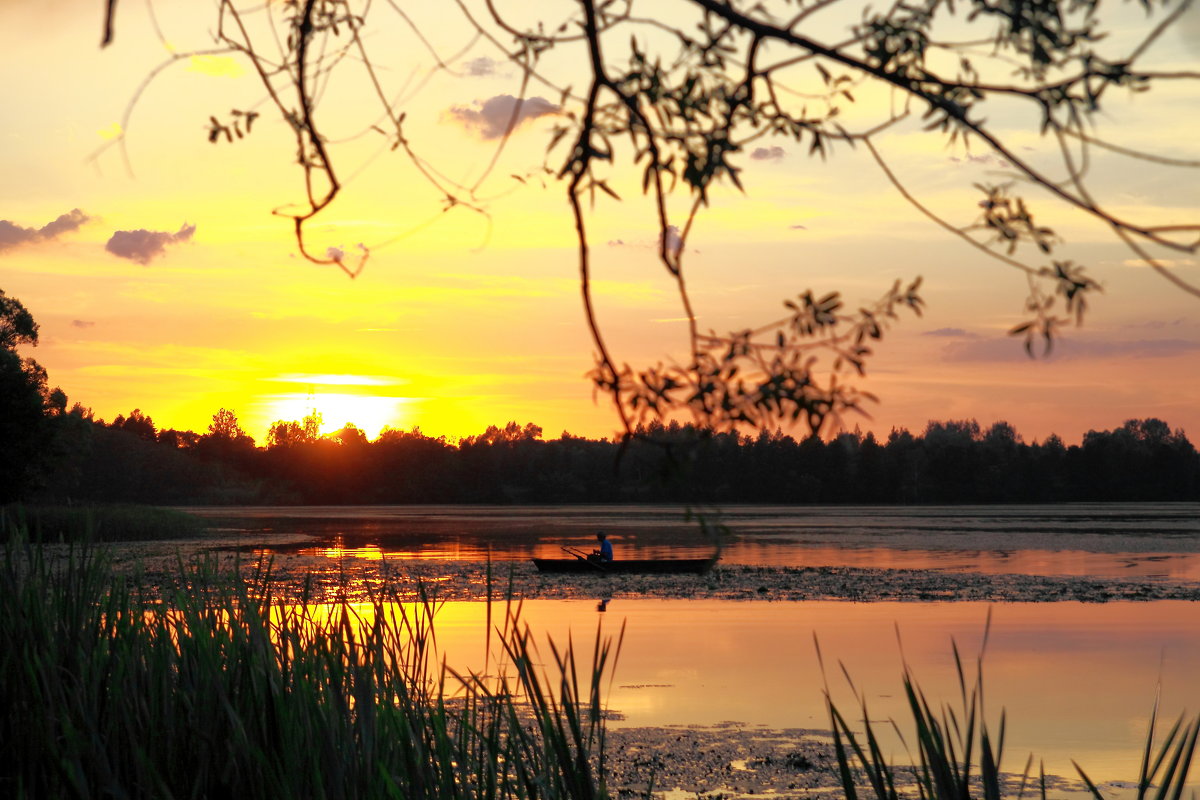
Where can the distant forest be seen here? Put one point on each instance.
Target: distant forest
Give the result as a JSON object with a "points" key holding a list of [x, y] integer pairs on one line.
{"points": [[131, 460]]}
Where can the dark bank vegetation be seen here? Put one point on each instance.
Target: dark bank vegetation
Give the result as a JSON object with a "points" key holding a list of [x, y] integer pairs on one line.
{"points": [[130, 461], [97, 523], [217, 691]]}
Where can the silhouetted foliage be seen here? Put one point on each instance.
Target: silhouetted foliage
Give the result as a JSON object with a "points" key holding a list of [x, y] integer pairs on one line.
{"points": [[30, 412], [955, 461]]}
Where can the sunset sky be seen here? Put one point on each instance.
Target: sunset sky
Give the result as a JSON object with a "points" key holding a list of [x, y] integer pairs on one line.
{"points": [[462, 320]]}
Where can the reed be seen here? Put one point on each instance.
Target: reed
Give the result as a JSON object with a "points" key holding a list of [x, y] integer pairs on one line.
{"points": [[958, 756], [218, 691], [97, 523]]}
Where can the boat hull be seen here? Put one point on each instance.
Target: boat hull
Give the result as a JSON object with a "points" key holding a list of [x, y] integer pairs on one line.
{"points": [[626, 566]]}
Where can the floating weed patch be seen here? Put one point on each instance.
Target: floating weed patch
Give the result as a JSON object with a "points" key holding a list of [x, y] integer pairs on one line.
{"points": [[217, 691]]}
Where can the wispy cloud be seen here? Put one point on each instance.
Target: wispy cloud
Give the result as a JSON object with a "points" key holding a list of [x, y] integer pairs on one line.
{"points": [[985, 160], [1158, 324], [673, 238], [491, 118], [143, 246], [767, 153], [1010, 349], [338, 380], [82, 323], [13, 235], [1170, 263], [480, 67], [951, 333]]}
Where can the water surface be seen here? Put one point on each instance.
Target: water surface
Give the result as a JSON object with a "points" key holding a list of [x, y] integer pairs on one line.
{"points": [[1077, 681], [1120, 540]]}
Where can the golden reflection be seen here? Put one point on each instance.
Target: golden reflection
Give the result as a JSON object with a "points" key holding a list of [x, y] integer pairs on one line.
{"points": [[339, 549]]}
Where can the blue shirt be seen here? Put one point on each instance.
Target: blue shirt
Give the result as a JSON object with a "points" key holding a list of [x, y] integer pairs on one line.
{"points": [[606, 553]]}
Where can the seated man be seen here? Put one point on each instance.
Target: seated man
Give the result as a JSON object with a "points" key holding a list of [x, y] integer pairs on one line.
{"points": [[605, 553]]}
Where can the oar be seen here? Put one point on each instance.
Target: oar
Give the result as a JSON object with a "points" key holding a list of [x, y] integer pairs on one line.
{"points": [[583, 557]]}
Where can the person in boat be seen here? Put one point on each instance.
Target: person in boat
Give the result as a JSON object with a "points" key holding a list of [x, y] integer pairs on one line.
{"points": [[605, 552]]}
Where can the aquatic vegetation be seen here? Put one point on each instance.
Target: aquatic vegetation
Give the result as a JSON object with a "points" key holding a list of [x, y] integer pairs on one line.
{"points": [[218, 691], [959, 757], [97, 523]]}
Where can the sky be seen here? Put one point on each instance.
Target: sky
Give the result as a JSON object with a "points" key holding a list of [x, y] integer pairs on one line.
{"points": [[163, 281]]}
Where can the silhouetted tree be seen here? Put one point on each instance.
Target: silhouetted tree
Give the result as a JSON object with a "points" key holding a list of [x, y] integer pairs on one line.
{"points": [[30, 412], [138, 424]]}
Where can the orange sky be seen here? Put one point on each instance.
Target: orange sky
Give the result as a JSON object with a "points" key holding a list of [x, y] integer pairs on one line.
{"points": [[461, 321]]}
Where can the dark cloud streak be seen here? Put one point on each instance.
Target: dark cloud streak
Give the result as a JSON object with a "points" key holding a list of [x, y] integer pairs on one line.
{"points": [[1011, 349], [951, 333]]}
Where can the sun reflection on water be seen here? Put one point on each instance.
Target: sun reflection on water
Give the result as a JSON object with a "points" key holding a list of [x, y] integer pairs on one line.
{"points": [[338, 548]]}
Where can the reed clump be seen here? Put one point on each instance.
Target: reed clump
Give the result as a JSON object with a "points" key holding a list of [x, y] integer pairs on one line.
{"points": [[958, 755], [218, 691], [97, 523]]}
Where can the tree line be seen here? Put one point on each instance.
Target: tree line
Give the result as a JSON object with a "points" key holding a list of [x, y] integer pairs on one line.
{"points": [[131, 460]]}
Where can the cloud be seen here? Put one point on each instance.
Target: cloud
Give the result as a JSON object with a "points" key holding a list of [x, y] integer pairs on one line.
{"points": [[767, 154], [987, 160], [1157, 324], [13, 235], [955, 333], [674, 243], [798, 227], [480, 67], [1169, 263], [1066, 349], [142, 245], [82, 323], [491, 118]]}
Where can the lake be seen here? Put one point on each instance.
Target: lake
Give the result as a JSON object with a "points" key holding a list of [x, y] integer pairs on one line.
{"points": [[1077, 680]]}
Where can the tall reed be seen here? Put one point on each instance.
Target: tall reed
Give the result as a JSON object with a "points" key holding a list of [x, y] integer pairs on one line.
{"points": [[959, 757], [217, 691]]}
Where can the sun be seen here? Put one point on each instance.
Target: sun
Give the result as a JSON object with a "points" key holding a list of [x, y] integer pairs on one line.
{"points": [[368, 412]]}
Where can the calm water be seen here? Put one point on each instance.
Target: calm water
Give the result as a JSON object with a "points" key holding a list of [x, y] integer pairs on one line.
{"points": [[1119, 540], [1077, 680]]}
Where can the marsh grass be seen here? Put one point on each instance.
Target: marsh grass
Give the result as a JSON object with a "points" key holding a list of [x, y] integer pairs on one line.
{"points": [[218, 691], [97, 523], [958, 756]]}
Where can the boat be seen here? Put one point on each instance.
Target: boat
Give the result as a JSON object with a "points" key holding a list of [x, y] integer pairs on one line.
{"points": [[625, 566]]}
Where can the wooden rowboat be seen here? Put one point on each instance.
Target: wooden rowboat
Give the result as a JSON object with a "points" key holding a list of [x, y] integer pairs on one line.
{"points": [[644, 565]]}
